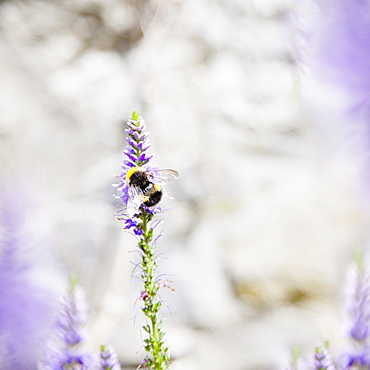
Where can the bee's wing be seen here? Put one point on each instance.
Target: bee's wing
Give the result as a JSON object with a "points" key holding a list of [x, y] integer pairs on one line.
{"points": [[163, 176], [135, 199]]}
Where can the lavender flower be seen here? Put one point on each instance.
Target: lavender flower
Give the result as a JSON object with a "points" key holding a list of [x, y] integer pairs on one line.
{"points": [[69, 329], [141, 194], [109, 359]]}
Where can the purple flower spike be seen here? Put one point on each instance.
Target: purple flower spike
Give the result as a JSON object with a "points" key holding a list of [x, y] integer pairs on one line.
{"points": [[323, 360], [358, 317], [358, 304], [136, 152], [67, 354], [72, 317]]}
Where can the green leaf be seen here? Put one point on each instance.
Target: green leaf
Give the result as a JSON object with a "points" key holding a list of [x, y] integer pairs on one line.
{"points": [[147, 328]]}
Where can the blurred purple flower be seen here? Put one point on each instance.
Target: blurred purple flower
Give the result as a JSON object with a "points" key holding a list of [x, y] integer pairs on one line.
{"points": [[69, 327], [359, 360], [109, 359], [26, 308], [343, 45], [341, 63], [72, 317], [65, 360], [358, 316], [323, 359], [358, 303]]}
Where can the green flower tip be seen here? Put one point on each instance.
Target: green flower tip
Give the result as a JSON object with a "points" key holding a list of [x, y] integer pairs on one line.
{"points": [[296, 354], [73, 282], [135, 115], [358, 259]]}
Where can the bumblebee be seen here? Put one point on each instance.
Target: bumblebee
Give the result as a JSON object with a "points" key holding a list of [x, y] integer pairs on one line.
{"points": [[144, 187]]}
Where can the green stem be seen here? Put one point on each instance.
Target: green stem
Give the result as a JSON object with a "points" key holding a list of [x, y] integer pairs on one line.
{"points": [[158, 358]]}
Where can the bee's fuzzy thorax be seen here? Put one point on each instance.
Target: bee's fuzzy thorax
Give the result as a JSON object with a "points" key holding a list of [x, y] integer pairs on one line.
{"points": [[131, 171]]}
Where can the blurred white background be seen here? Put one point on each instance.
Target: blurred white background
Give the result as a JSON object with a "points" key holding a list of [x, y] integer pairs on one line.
{"points": [[266, 213]]}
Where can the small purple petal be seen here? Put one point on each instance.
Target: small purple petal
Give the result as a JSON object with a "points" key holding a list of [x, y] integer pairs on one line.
{"points": [[143, 157], [129, 164], [133, 158], [143, 145], [138, 232], [130, 150], [139, 136], [129, 132], [130, 223], [131, 142]]}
